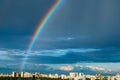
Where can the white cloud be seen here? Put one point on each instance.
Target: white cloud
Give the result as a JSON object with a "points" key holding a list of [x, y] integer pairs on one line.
{"points": [[58, 39], [60, 52], [66, 68], [8, 53], [96, 68], [3, 52], [65, 38], [53, 52]]}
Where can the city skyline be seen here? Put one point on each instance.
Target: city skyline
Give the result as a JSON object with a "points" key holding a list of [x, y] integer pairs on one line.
{"points": [[70, 76], [81, 36]]}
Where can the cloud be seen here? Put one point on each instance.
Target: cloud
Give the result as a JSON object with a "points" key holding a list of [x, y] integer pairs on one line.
{"points": [[3, 52], [66, 68], [77, 68], [11, 51], [40, 55], [52, 52], [48, 39], [96, 68], [89, 68], [93, 67], [62, 56], [66, 38], [60, 52]]}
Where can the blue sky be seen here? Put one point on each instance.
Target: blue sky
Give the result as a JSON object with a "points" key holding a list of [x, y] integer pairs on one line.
{"points": [[81, 36]]}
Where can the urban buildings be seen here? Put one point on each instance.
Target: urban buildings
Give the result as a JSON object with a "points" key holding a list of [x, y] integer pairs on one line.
{"points": [[71, 76]]}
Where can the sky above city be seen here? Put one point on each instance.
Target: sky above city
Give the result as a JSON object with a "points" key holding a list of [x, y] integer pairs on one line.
{"points": [[81, 36]]}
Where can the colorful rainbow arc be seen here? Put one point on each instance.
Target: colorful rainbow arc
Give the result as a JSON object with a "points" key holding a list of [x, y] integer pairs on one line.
{"points": [[39, 30]]}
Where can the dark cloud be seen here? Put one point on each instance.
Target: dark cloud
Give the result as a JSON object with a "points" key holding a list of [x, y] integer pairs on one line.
{"points": [[77, 24], [18, 21], [75, 57], [94, 23], [22, 15]]}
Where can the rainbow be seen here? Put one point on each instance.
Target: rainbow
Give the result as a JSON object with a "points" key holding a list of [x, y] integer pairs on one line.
{"points": [[38, 31]]}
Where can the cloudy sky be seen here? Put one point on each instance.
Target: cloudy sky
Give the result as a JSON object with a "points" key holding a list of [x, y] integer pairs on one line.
{"points": [[81, 36]]}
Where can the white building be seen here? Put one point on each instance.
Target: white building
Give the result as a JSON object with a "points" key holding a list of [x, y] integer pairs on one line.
{"points": [[63, 76], [73, 74], [109, 77], [27, 74], [112, 78], [76, 76], [14, 74], [53, 76], [44, 75], [56, 76], [92, 77], [22, 74], [117, 77]]}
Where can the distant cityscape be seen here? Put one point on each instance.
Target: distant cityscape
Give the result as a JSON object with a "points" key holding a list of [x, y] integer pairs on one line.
{"points": [[71, 76]]}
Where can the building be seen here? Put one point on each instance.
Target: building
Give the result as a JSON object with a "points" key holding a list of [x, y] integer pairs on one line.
{"points": [[73, 74], [14, 74], [22, 74], [63, 76], [76, 76], [27, 74], [92, 78], [117, 77]]}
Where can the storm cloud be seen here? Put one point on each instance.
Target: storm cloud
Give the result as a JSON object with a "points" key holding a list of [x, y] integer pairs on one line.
{"points": [[81, 31]]}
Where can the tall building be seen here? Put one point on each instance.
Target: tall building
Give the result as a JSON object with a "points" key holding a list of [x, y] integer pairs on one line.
{"points": [[109, 77], [14, 74], [73, 74], [63, 76], [99, 76], [22, 74]]}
